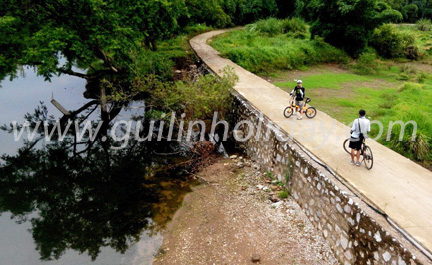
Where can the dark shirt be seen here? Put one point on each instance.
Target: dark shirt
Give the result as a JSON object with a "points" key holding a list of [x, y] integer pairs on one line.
{"points": [[299, 92]]}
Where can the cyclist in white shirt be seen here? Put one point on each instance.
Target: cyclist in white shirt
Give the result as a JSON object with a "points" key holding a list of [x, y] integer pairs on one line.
{"points": [[359, 131]]}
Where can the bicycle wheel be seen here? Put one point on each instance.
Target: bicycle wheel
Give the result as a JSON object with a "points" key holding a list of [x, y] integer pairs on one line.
{"points": [[311, 112], [346, 146], [368, 157], [288, 112]]}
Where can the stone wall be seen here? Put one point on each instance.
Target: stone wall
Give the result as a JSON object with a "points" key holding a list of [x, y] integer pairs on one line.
{"points": [[357, 234]]}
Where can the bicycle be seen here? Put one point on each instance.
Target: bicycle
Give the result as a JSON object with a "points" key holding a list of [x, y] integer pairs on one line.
{"points": [[365, 152], [309, 111]]}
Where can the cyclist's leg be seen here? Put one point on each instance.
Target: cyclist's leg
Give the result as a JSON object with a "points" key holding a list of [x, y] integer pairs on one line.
{"points": [[358, 155], [300, 104], [352, 154]]}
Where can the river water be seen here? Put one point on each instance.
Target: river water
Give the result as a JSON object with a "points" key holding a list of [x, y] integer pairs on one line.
{"points": [[18, 241]]}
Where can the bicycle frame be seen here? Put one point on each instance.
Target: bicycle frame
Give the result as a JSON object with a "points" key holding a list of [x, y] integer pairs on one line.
{"points": [[365, 152], [293, 105]]}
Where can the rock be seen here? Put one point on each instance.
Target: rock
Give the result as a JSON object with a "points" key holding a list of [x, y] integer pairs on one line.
{"points": [[275, 181], [386, 256], [240, 165], [260, 187], [274, 198], [276, 204], [255, 258], [265, 188], [233, 157], [256, 166]]}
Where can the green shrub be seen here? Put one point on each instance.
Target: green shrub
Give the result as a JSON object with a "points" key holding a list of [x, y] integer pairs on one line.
{"points": [[413, 52], [283, 194], [271, 27], [409, 87], [198, 100], [407, 72], [299, 35], [367, 64], [294, 24], [422, 77], [196, 29], [424, 24], [391, 43], [156, 63]]}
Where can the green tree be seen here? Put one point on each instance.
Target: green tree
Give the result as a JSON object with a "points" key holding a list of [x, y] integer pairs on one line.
{"points": [[247, 11], [349, 24], [98, 34], [102, 37], [410, 13], [390, 43], [209, 12]]}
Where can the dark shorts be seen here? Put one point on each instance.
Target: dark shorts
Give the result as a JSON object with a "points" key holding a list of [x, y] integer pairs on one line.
{"points": [[355, 144]]}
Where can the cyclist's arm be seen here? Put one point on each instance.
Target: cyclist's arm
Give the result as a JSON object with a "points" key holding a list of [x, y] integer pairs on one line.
{"points": [[292, 92]]}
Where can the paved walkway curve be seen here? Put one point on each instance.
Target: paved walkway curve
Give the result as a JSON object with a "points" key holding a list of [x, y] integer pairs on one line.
{"points": [[398, 186]]}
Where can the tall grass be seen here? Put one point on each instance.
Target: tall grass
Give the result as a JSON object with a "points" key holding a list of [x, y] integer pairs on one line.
{"points": [[276, 44], [424, 24], [273, 26]]}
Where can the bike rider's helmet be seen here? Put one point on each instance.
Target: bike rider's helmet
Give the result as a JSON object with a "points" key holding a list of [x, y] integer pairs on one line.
{"points": [[299, 81]]}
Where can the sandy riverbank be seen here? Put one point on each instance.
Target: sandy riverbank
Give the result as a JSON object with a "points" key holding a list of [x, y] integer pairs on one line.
{"points": [[235, 217]]}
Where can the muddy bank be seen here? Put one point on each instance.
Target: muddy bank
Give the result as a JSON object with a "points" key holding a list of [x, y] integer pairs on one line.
{"points": [[237, 217]]}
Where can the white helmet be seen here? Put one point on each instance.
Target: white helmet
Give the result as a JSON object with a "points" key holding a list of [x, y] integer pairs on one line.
{"points": [[299, 81]]}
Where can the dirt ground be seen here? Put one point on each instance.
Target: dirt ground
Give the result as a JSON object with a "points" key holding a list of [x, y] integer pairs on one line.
{"points": [[236, 217]]}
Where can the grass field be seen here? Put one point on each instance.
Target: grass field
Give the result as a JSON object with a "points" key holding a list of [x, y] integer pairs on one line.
{"points": [[341, 93]]}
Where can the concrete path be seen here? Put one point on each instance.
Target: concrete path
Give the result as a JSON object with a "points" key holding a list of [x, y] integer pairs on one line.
{"points": [[398, 186]]}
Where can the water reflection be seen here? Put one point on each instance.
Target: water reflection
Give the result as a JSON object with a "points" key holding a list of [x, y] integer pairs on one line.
{"points": [[95, 202], [86, 202], [22, 95]]}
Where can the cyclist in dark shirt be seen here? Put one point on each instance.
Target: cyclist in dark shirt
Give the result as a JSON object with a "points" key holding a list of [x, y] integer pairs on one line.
{"points": [[299, 92]]}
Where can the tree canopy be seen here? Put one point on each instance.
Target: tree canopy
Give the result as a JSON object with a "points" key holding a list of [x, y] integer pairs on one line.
{"points": [[349, 24], [53, 35]]}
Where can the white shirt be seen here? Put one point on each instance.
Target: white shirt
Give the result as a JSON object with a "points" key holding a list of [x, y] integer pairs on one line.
{"points": [[364, 126]]}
